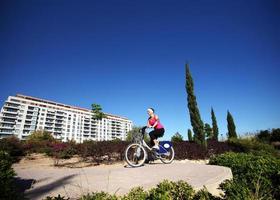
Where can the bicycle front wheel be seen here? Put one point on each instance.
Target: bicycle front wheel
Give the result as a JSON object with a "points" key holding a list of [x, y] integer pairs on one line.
{"points": [[167, 157], [135, 155]]}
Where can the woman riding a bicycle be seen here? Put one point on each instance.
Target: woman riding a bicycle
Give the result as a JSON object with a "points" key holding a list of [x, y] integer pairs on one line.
{"points": [[153, 122]]}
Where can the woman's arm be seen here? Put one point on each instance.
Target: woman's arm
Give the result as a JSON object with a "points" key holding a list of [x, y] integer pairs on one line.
{"points": [[148, 124]]}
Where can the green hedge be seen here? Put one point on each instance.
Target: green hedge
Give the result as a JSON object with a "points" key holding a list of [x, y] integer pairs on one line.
{"points": [[166, 190], [7, 184], [254, 176]]}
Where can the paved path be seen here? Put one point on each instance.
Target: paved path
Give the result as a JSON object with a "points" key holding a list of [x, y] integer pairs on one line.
{"points": [[118, 179]]}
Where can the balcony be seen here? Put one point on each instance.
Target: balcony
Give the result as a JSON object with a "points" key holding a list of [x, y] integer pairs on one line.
{"points": [[59, 114], [10, 116], [7, 127], [11, 105], [4, 119], [6, 132], [49, 124], [50, 116], [8, 111], [48, 128]]}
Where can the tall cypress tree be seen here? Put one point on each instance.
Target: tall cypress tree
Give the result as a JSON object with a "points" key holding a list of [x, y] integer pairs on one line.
{"points": [[190, 135], [214, 125], [231, 126], [208, 131], [196, 122]]}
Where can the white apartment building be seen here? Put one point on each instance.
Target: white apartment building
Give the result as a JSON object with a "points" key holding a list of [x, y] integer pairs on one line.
{"points": [[21, 115]]}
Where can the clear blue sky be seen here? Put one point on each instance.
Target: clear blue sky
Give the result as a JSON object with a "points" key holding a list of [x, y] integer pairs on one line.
{"points": [[130, 55]]}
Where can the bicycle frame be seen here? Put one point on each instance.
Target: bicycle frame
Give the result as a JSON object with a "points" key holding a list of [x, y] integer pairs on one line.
{"points": [[144, 144]]}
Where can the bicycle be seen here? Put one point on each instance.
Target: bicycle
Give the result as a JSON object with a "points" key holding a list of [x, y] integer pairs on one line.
{"points": [[137, 153]]}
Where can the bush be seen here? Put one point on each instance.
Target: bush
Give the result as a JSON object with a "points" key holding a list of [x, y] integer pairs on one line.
{"points": [[252, 145], [99, 196], [171, 190], [33, 146], [254, 176], [191, 150], [203, 194], [13, 147], [264, 136], [275, 135], [177, 137], [62, 150], [136, 193], [104, 151], [41, 136], [7, 189], [56, 198]]}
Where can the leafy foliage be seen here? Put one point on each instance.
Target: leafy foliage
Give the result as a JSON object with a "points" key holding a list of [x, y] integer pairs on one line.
{"points": [[103, 151], [40, 135], [191, 150], [203, 194], [196, 121], [7, 188], [231, 126], [13, 147], [171, 190], [97, 112], [190, 137], [208, 131], [99, 196], [177, 137], [255, 176], [136, 193], [252, 145], [135, 135], [56, 198], [214, 125]]}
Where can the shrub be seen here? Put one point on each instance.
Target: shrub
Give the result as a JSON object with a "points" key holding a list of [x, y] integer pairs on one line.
{"points": [[203, 194], [191, 150], [254, 175], [7, 189], [12, 146], [99, 196], [252, 145], [41, 135], [31, 146], [56, 198], [136, 193], [62, 150], [275, 135], [104, 151], [171, 190], [177, 137], [264, 136]]}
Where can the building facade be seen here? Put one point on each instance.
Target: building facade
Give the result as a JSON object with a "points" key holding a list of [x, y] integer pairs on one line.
{"points": [[21, 115]]}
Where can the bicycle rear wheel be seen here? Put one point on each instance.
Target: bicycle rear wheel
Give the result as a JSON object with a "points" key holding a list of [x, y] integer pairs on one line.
{"points": [[168, 156], [135, 155]]}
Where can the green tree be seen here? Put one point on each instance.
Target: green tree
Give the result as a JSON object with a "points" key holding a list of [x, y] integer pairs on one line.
{"points": [[190, 135], [97, 112], [196, 122], [208, 131], [135, 134], [177, 137], [214, 125], [231, 126], [40, 135]]}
